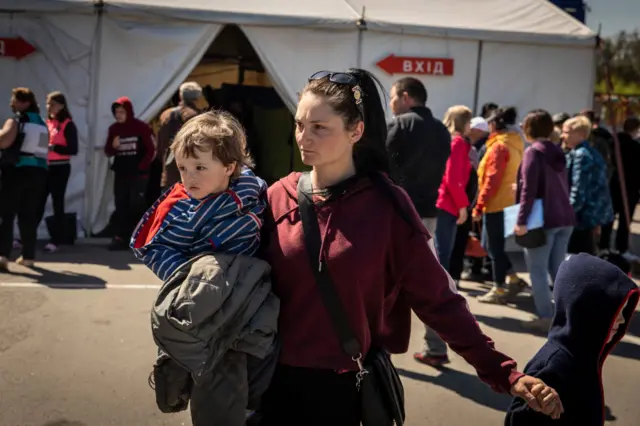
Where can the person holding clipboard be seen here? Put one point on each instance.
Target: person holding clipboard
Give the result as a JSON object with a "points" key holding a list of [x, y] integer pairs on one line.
{"points": [[542, 179]]}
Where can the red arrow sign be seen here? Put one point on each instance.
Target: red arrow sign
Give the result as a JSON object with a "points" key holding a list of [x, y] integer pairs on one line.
{"points": [[393, 64], [15, 47]]}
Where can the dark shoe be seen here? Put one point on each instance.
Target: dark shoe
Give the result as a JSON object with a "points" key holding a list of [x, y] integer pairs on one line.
{"points": [[431, 360], [4, 265]]}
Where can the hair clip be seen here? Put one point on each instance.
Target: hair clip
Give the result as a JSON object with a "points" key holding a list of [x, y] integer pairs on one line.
{"points": [[357, 94]]}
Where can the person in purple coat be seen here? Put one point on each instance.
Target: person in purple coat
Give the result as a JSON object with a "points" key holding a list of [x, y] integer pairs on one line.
{"points": [[543, 175]]}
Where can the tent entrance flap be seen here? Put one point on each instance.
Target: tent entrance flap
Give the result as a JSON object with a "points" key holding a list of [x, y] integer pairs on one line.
{"points": [[234, 79], [147, 62]]}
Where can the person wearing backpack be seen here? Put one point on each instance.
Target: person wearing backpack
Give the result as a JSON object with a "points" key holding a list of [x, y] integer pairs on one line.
{"points": [[171, 121]]}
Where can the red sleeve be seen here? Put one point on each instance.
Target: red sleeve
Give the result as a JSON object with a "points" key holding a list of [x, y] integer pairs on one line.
{"points": [[109, 150], [457, 173], [431, 293], [497, 160], [149, 148]]}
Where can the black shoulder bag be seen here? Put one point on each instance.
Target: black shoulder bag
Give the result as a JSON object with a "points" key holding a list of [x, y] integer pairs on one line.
{"points": [[534, 238], [377, 379]]}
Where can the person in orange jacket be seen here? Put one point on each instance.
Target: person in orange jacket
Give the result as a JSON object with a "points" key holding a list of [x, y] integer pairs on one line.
{"points": [[497, 174]]}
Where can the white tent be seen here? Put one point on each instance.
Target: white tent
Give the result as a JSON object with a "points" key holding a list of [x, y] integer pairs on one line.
{"points": [[526, 53]]}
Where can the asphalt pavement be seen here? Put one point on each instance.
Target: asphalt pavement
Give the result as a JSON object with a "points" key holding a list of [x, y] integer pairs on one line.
{"points": [[76, 350]]}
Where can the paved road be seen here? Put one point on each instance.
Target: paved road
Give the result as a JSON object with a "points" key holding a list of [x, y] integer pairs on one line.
{"points": [[75, 350]]}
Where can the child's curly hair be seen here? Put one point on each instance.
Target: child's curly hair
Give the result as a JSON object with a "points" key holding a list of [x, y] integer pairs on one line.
{"points": [[217, 132]]}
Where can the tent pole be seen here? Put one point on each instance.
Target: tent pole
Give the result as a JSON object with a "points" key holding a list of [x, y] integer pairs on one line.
{"points": [[362, 27], [476, 92], [93, 123]]}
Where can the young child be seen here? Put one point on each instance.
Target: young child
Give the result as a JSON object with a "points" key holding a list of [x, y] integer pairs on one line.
{"points": [[217, 207], [594, 302]]}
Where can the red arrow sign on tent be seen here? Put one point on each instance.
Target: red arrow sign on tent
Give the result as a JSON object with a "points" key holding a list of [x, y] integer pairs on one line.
{"points": [[393, 64], [15, 47]]}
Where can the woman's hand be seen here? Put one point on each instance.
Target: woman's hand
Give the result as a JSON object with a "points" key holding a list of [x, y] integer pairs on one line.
{"points": [[116, 142], [520, 230], [462, 216], [476, 216], [539, 396]]}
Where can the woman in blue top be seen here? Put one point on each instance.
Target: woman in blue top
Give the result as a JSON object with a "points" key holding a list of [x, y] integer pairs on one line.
{"points": [[24, 141]]}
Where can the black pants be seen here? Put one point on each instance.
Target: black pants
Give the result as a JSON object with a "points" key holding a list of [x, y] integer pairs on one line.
{"points": [[500, 262], [309, 397], [582, 241], [57, 179], [21, 192], [622, 233], [130, 199], [456, 262]]}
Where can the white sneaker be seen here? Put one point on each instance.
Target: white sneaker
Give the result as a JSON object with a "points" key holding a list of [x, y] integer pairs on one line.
{"points": [[51, 248], [630, 257], [4, 264]]}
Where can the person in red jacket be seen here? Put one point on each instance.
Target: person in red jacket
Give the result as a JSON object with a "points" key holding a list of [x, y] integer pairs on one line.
{"points": [[452, 207], [379, 256], [131, 144]]}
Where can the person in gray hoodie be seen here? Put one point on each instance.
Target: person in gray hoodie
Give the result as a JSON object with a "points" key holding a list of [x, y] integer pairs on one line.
{"points": [[543, 175]]}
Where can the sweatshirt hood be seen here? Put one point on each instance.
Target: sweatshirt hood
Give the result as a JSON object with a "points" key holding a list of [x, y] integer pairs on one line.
{"points": [[589, 294], [510, 138], [126, 103], [552, 154]]}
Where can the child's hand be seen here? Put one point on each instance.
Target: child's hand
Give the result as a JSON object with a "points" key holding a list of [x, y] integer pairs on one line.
{"points": [[538, 396], [548, 399]]}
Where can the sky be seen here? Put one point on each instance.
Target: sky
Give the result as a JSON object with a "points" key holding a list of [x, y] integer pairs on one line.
{"points": [[614, 15]]}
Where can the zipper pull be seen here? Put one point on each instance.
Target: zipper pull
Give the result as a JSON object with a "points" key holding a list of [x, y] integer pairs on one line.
{"points": [[320, 266]]}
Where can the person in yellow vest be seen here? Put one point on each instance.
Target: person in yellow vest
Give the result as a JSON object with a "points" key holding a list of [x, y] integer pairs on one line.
{"points": [[497, 174]]}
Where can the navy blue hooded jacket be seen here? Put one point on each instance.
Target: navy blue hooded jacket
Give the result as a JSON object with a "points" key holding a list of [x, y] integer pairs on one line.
{"points": [[589, 294]]}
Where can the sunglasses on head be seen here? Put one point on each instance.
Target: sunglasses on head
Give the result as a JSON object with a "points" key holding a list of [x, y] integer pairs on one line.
{"points": [[343, 78]]}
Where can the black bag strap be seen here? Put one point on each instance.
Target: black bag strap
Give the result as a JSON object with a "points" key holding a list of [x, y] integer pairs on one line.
{"points": [[328, 293]]}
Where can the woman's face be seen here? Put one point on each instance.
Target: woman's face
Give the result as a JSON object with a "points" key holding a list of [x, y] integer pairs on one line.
{"points": [[492, 127], [467, 129], [321, 134], [53, 108]]}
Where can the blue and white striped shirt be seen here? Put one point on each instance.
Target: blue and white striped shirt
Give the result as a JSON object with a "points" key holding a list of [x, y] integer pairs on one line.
{"points": [[184, 227]]}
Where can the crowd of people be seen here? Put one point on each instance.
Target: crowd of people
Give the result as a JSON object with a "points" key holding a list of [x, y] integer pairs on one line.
{"points": [[395, 207], [463, 171]]}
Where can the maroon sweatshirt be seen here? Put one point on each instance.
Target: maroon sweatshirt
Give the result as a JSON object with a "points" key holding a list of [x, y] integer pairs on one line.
{"points": [[383, 267], [136, 151]]}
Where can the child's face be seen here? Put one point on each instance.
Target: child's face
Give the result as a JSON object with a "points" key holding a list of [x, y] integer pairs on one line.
{"points": [[120, 114], [204, 175], [616, 325]]}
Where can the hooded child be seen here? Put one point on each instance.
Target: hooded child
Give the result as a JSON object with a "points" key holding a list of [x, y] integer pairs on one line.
{"points": [[131, 144], [594, 303], [217, 207]]}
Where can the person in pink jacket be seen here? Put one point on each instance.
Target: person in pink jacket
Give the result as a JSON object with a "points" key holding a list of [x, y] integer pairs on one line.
{"points": [[452, 207], [452, 197]]}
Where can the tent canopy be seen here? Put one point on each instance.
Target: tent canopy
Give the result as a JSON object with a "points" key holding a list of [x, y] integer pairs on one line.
{"points": [[533, 21]]}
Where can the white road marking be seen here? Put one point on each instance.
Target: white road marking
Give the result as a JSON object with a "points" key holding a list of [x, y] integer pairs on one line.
{"points": [[91, 286]]}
